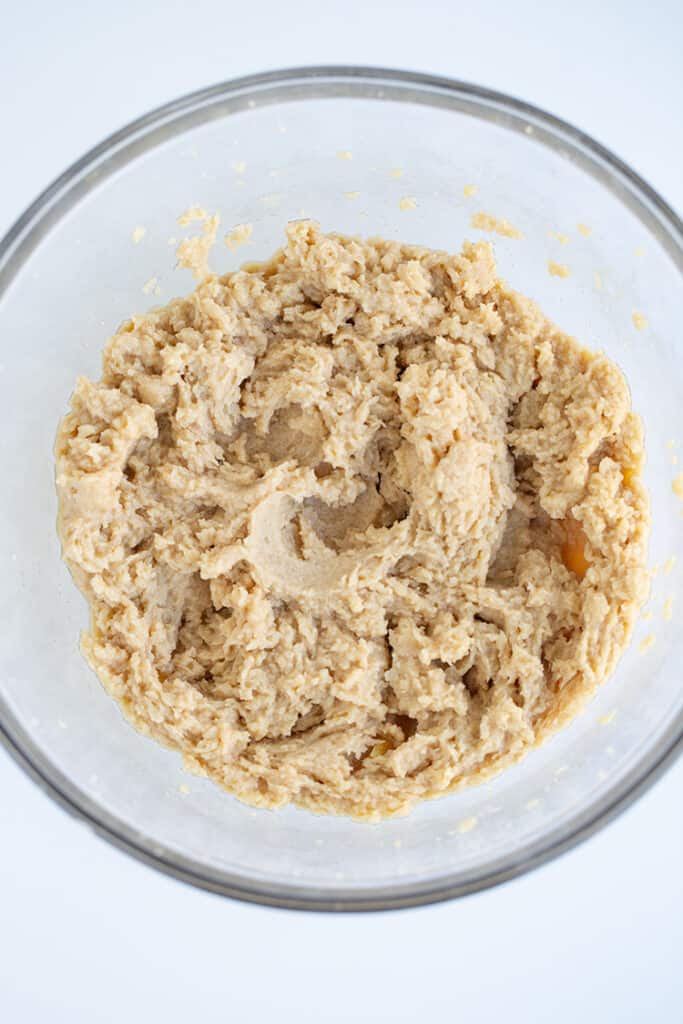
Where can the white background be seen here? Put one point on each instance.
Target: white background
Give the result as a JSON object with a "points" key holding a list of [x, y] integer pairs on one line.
{"points": [[88, 935]]}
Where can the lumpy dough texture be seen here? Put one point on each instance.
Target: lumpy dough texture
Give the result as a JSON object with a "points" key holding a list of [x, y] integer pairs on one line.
{"points": [[356, 526]]}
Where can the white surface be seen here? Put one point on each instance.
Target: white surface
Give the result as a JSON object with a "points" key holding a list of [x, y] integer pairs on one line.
{"points": [[89, 935]]}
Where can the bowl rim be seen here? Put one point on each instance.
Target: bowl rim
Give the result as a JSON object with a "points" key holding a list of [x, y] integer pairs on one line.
{"points": [[344, 82]]}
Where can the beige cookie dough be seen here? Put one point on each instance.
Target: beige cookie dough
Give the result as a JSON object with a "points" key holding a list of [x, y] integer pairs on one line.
{"points": [[356, 526]]}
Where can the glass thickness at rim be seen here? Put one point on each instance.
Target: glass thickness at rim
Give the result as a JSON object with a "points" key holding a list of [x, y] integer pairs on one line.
{"points": [[221, 101]]}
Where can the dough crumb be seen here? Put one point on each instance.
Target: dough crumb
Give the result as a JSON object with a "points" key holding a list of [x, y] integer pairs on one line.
{"points": [[240, 234], [466, 825], [531, 804], [184, 789], [669, 565], [151, 286], [558, 236], [398, 843], [640, 251], [584, 230], [671, 443], [407, 203], [497, 225], [639, 321], [598, 283], [396, 172], [344, 154], [469, 191], [193, 253], [668, 609], [646, 643], [138, 234], [558, 269], [677, 485], [609, 717], [352, 195], [647, 616], [192, 214], [172, 241], [239, 166]]}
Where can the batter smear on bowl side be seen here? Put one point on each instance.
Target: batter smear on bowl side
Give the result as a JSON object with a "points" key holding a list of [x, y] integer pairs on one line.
{"points": [[357, 525]]}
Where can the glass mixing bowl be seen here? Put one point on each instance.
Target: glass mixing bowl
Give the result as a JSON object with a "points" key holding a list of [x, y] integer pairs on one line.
{"points": [[345, 146]]}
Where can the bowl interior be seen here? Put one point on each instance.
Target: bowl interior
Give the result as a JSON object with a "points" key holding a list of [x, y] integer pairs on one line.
{"points": [[346, 151]]}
